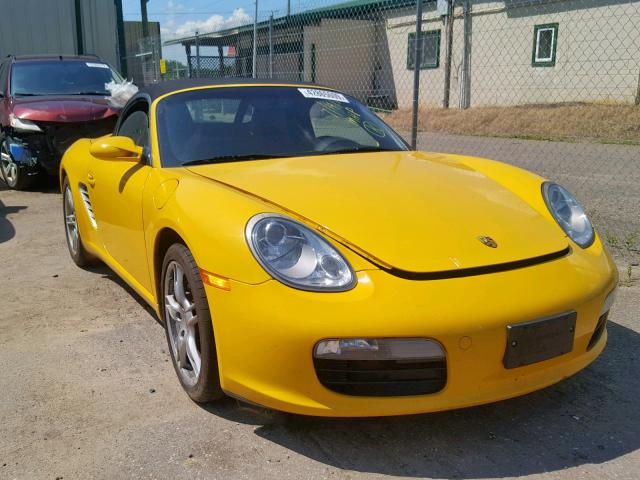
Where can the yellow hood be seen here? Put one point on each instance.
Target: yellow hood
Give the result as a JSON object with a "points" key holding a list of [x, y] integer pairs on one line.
{"points": [[413, 211]]}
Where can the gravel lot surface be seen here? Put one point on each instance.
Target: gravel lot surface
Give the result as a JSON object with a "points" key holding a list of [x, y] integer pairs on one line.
{"points": [[87, 391]]}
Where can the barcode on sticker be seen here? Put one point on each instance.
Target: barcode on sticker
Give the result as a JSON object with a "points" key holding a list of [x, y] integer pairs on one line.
{"points": [[97, 65], [323, 94]]}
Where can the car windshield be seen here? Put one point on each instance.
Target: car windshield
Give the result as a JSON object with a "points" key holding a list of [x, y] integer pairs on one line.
{"points": [[61, 77], [226, 124]]}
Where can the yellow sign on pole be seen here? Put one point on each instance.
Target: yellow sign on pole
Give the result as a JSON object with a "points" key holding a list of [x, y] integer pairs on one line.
{"points": [[163, 66]]}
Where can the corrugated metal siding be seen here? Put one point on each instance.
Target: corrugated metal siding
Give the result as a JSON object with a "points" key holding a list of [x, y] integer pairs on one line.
{"points": [[99, 29], [33, 26], [30, 27]]}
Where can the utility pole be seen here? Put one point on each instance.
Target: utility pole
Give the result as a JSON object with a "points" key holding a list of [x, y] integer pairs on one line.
{"points": [[447, 58], [271, 46], [288, 8], [465, 100], [197, 54], [145, 18], [416, 74], [255, 41]]}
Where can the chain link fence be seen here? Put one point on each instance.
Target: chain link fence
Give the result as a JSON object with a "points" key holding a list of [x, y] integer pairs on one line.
{"points": [[549, 85]]}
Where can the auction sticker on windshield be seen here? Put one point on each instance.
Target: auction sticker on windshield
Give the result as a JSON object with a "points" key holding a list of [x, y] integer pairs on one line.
{"points": [[97, 65], [323, 94]]}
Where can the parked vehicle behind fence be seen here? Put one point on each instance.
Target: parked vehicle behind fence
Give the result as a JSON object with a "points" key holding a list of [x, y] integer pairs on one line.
{"points": [[46, 104]]}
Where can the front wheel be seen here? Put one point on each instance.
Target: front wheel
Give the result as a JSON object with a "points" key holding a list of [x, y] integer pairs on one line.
{"points": [[13, 176], [80, 256], [188, 326]]}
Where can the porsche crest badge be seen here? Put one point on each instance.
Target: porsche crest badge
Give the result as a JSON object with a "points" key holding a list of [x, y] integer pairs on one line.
{"points": [[488, 241]]}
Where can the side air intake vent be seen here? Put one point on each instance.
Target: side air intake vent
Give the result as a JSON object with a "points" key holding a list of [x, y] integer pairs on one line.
{"points": [[87, 205]]}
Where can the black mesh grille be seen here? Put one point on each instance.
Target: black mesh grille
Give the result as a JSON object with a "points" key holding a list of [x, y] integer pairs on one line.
{"points": [[597, 333], [383, 378], [62, 135]]}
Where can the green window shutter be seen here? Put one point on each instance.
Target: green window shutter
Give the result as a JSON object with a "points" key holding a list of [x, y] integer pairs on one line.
{"points": [[545, 42], [430, 50]]}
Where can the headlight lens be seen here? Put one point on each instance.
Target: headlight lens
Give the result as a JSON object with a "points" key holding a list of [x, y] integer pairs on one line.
{"points": [[23, 125], [568, 213], [297, 256]]}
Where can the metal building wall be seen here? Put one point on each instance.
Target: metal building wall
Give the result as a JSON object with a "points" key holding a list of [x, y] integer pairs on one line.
{"points": [[33, 26], [29, 27], [100, 30]]}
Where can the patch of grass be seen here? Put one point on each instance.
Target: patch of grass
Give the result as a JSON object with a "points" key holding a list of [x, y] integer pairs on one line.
{"points": [[631, 241], [603, 123], [627, 279], [611, 239]]}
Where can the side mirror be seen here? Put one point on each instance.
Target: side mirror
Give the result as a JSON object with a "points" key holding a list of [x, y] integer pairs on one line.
{"points": [[116, 148]]}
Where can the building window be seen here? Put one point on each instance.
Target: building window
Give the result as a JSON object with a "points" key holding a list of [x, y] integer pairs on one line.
{"points": [[545, 39], [430, 50]]}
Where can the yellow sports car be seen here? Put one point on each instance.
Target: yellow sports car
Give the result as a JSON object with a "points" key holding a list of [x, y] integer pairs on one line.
{"points": [[303, 258]]}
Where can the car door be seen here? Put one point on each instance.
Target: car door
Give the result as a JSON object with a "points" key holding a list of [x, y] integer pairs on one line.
{"points": [[116, 189]]}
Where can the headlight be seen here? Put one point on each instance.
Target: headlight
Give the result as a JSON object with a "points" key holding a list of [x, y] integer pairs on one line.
{"points": [[23, 125], [296, 255], [568, 213]]}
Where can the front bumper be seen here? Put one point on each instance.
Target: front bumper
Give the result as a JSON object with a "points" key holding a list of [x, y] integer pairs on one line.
{"points": [[265, 334], [34, 152]]}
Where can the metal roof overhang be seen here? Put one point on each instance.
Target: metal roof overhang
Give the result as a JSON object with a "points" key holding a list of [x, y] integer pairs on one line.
{"points": [[351, 8]]}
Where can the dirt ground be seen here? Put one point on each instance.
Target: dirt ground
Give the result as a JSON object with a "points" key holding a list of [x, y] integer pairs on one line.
{"points": [[579, 122], [87, 391]]}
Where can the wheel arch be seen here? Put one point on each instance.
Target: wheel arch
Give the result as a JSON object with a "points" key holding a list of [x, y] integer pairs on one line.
{"points": [[61, 179], [165, 237]]}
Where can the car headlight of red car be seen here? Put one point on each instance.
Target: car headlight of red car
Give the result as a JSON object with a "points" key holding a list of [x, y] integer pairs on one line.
{"points": [[23, 125]]}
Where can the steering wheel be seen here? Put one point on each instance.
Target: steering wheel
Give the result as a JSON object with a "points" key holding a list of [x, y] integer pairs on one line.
{"points": [[334, 144]]}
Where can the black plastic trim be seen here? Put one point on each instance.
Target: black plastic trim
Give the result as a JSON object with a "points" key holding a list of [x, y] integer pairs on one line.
{"points": [[601, 326], [474, 271], [382, 378]]}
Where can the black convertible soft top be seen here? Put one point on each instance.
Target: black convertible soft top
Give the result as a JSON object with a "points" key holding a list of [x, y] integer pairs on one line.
{"points": [[159, 89]]}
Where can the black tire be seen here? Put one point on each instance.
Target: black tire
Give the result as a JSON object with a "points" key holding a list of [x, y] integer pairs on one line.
{"points": [[207, 386], [14, 177], [79, 254]]}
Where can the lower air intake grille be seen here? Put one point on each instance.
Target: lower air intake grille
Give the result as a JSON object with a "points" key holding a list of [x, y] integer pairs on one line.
{"points": [[597, 333], [383, 378]]}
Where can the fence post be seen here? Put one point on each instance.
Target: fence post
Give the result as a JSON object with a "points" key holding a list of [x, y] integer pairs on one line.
{"points": [[197, 55], [155, 61], [465, 100], [187, 49], [447, 59], [416, 74], [271, 46], [221, 57], [637, 101], [255, 42]]}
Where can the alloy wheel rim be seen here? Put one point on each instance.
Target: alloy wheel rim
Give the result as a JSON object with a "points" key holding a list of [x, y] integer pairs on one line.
{"points": [[9, 167], [182, 323], [70, 221]]}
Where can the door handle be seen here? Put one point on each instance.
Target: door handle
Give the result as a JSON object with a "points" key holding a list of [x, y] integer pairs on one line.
{"points": [[91, 180]]}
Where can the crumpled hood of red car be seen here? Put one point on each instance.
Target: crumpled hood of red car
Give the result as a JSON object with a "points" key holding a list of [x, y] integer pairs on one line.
{"points": [[67, 109]]}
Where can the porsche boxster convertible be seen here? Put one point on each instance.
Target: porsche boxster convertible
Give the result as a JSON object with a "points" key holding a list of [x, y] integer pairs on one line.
{"points": [[303, 258]]}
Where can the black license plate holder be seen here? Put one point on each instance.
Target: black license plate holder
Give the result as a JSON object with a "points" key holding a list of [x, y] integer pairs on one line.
{"points": [[539, 340]]}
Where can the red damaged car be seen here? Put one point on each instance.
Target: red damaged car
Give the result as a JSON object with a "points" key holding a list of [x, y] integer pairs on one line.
{"points": [[46, 104]]}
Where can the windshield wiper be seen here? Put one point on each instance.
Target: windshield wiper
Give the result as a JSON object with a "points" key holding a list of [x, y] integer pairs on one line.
{"points": [[231, 158], [30, 94], [358, 150], [90, 93]]}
